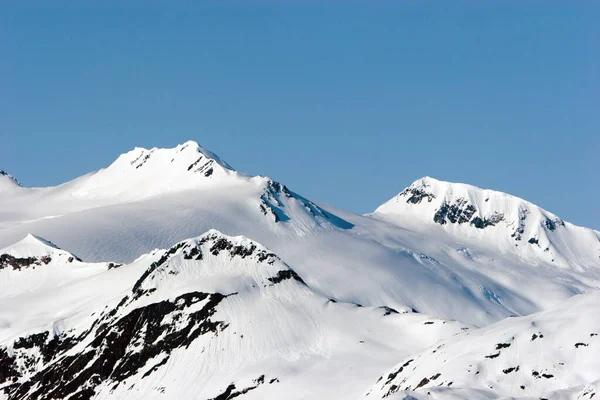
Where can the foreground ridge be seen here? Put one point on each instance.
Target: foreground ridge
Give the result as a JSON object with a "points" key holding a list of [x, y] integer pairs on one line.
{"points": [[551, 354], [207, 305]]}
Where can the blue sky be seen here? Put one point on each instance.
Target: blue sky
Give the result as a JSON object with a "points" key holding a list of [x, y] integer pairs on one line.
{"points": [[346, 103]]}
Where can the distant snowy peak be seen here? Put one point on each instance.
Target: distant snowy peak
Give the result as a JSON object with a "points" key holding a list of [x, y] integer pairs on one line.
{"points": [[8, 182], [505, 220], [31, 246], [35, 264], [181, 155], [187, 170], [145, 172], [187, 166], [33, 251], [457, 203]]}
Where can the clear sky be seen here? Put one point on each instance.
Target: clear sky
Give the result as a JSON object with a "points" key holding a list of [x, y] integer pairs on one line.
{"points": [[346, 103]]}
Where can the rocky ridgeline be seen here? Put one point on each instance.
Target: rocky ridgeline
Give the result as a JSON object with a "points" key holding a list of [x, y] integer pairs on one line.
{"points": [[133, 337]]}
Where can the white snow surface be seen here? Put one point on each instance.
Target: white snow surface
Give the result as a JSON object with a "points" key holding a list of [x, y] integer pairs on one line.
{"points": [[520, 227], [304, 344], [150, 199], [8, 183], [49, 267], [448, 251], [552, 354]]}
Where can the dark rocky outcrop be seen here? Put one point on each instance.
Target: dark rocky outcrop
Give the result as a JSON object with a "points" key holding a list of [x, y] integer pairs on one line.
{"points": [[115, 348], [415, 195], [461, 211], [8, 261]]}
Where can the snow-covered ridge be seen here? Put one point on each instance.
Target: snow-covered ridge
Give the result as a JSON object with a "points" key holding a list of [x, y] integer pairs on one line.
{"points": [[216, 316], [214, 254], [552, 354], [35, 247], [455, 270], [219, 315], [459, 203], [34, 263], [508, 222], [189, 151], [8, 182], [141, 173]]}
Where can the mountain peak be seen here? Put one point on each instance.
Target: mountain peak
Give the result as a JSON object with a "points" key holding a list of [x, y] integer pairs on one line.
{"points": [[425, 180], [447, 203], [31, 246], [239, 263], [143, 172], [189, 151], [505, 221], [439, 187], [32, 239], [33, 250], [430, 190], [7, 181]]}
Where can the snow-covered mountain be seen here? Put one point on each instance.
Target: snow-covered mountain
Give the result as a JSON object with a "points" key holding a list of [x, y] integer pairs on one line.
{"points": [[141, 174], [552, 354], [212, 317], [33, 264], [507, 222], [154, 171], [117, 214], [437, 252]]}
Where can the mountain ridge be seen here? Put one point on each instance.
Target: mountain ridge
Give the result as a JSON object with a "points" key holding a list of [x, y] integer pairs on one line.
{"points": [[550, 354], [373, 260], [222, 301], [467, 211], [197, 160], [8, 182], [201, 304]]}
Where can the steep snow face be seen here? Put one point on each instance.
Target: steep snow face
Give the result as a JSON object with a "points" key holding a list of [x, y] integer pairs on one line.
{"points": [[212, 317], [8, 183], [505, 222], [551, 355], [34, 264]]}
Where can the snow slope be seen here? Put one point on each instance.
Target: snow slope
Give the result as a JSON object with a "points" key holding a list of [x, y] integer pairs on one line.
{"points": [[155, 171], [551, 355], [34, 263], [507, 222], [460, 272], [209, 318], [8, 183]]}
